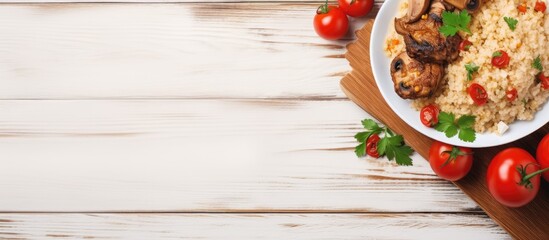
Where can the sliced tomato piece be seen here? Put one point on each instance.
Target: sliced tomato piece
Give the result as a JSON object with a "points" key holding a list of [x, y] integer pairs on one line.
{"points": [[511, 94], [371, 146], [478, 94], [465, 45], [429, 115], [540, 6], [500, 59]]}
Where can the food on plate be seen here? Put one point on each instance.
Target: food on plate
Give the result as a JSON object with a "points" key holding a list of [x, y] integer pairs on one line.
{"points": [[450, 162], [356, 8], [513, 177], [463, 127], [542, 155], [413, 79], [500, 59], [390, 144], [498, 71], [540, 6], [330, 22], [429, 115], [423, 40], [478, 94]]}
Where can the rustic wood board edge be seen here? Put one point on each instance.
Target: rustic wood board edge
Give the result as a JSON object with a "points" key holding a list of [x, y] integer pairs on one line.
{"points": [[527, 222]]}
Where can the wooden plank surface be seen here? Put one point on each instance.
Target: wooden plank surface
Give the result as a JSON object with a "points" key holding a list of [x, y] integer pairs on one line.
{"points": [[248, 226], [119, 108], [360, 86], [198, 155], [91, 51]]}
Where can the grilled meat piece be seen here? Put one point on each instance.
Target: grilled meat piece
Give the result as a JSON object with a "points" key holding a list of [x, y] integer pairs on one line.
{"points": [[423, 40], [413, 79]]}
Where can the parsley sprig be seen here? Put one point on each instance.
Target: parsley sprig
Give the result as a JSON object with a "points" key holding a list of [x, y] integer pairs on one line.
{"points": [[537, 64], [454, 22], [391, 144], [511, 22], [471, 68], [463, 127]]}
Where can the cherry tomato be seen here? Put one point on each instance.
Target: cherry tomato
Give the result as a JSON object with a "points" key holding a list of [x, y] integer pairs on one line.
{"points": [[522, 7], [478, 94], [429, 115], [544, 81], [511, 94], [450, 162], [500, 59], [465, 45], [542, 155], [356, 8], [330, 22], [540, 6], [513, 177], [371, 146]]}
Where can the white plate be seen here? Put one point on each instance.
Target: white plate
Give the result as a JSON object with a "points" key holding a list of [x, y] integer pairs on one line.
{"points": [[380, 66]]}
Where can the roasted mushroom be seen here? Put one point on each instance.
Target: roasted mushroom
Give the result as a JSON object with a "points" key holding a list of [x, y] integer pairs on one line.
{"points": [[423, 40], [470, 5], [413, 79], [416, 9]]}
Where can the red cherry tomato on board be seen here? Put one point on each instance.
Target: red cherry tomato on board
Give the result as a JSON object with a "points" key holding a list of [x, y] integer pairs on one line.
{"points": [[478, 94], [542, 155], [465, 45], [330, 22], [511, 94], [371, 146], [450, 162], [513, 177], [429, 115], [356, 8], [540, 6], [500, 59]]}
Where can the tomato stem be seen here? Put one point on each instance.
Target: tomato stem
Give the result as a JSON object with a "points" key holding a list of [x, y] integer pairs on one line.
{"points": [[453, 155], [531, 175], [323, 9]]}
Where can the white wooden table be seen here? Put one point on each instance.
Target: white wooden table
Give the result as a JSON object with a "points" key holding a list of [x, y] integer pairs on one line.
{"points": [[197, 120]]}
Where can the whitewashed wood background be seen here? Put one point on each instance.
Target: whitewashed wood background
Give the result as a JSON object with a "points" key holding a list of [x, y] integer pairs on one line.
{"points": [[197, 120]]}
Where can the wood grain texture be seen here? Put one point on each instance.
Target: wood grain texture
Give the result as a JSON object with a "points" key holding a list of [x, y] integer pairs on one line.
{"points": [[222, 50], [248, 226], [527, 222], [198, 155]]}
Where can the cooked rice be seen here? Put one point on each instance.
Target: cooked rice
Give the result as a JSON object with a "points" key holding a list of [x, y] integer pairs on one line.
{"points": [[490, 33]]}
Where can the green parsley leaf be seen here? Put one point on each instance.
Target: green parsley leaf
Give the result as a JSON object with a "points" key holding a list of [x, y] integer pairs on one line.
{"points": [[391, 145], [471, 68], [454, 22], [537, 64], [360, 150], [369, 124], [446, 117], [451, 131], [466, 121], [382, 146], [402, 156], [445, 121], [362, 136], [467, 135], [511, 22], [497, 54], [463, 127]]}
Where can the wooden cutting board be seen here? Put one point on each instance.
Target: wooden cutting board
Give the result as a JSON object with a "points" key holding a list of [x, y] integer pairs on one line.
{"points": [[528, 222]]}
